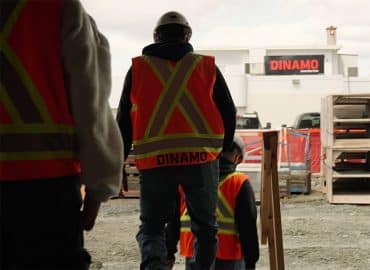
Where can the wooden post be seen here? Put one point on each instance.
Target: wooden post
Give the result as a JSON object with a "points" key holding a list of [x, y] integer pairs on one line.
{"points": [[271, 231]]}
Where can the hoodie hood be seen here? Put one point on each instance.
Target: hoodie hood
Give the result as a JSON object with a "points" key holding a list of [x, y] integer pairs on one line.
{"points": [[226, 166], [173, 51]]}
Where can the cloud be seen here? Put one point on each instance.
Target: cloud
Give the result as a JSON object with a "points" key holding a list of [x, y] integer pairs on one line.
{"points": [[328, 12], [140, 16], [239, 22]]}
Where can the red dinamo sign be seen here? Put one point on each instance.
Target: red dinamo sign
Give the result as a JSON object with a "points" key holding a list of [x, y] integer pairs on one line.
{"points": [[294, 65]]}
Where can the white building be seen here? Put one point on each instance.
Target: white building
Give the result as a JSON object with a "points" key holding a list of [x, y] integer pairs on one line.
{"points": [[280, 83]]}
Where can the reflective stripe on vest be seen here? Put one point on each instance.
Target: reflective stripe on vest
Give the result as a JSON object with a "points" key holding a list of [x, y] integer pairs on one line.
{"points": [[229, 244], [224, 214], [32, 134], [29, 132], [175, 93], [175, 89], [185, 222]]}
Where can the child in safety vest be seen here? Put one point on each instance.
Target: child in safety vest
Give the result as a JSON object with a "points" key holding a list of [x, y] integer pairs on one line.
{"points": [[236, 213]]}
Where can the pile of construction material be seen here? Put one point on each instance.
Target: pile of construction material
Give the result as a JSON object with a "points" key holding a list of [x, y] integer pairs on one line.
{"points": [[345, 148]]}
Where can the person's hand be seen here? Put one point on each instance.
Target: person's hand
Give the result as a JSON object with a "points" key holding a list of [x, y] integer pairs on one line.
{"points": [[171, 263], [124, 180], [89, 212]]}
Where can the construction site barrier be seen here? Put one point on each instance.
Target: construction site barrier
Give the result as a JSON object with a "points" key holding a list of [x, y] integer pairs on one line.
{"points": [[298, 151], [298, 148], [315, 146], [294, 159]]}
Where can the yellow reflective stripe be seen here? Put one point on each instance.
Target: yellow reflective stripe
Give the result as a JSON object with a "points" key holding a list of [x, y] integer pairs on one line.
{"points": [[185, 225], [3, 35], [185, 229], [44, 155], [167, 85], [192, 114], [36, 128], [179, 93], [225, 231], [155, 69], [185, 217], [178, 142], [178, 136], [134, 108], [12, 19], [225, 219], [225, 204], [219, 213], [187, 117], [227, 227], [28, 83], [9, 106], [200, 114], [178, 150], [163, 70], [18, 67], [171, 92]]}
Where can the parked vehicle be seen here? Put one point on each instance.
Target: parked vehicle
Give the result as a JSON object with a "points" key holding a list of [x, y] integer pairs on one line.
{"points": [[307, 120], [248, 121]]}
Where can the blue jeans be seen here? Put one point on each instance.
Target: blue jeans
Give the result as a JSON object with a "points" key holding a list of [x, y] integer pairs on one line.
{"points": [[158, 189]]}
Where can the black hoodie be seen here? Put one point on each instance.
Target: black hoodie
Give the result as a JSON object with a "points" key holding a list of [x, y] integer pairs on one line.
{"points": [[245, 216], [175, 51]]}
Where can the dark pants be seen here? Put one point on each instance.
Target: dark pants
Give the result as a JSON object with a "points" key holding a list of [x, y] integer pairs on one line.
{"points": [[219, 264], [157, 202], [40, 225]]}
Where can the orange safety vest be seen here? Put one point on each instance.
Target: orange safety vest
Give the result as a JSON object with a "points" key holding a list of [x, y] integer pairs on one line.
{"points": [[37, 135], [175, 120], [229, 247]]}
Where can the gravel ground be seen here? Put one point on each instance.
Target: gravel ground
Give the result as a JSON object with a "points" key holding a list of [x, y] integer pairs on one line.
{"points": [[316, 235]]}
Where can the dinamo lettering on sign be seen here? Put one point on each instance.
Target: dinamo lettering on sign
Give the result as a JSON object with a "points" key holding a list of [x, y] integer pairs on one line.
{"points": [[289, 64]]}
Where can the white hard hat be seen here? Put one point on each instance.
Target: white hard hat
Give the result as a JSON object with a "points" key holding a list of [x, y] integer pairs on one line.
{"points": [[172, 17], [238, 141]]}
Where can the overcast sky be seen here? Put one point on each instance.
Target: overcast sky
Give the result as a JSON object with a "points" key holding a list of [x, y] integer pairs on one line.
{"points": [[128, 25]]}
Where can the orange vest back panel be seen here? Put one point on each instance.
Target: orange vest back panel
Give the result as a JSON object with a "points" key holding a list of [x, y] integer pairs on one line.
{"points": [[175, 120], [37, 128], [229, 247]]}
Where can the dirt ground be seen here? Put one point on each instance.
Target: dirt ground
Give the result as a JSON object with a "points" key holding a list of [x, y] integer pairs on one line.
{"points": [[316, 235]]}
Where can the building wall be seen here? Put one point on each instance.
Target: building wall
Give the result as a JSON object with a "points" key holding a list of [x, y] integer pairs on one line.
{"points": [[228, 57], [357, 85], [346, 61], [328, 57], [278, 100]]}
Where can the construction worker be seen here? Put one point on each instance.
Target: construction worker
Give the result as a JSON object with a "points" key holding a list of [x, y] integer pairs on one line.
{"points": [[181, 115], [238, 247], [57, 132]]}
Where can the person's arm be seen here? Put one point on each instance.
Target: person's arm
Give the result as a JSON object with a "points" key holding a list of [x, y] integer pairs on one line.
{"points": [[123, 114], [226, 107], [246, 218], [86, 65]]}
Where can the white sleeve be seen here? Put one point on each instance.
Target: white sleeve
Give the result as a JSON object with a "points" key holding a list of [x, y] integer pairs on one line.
{"points": [[86, 61]]}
